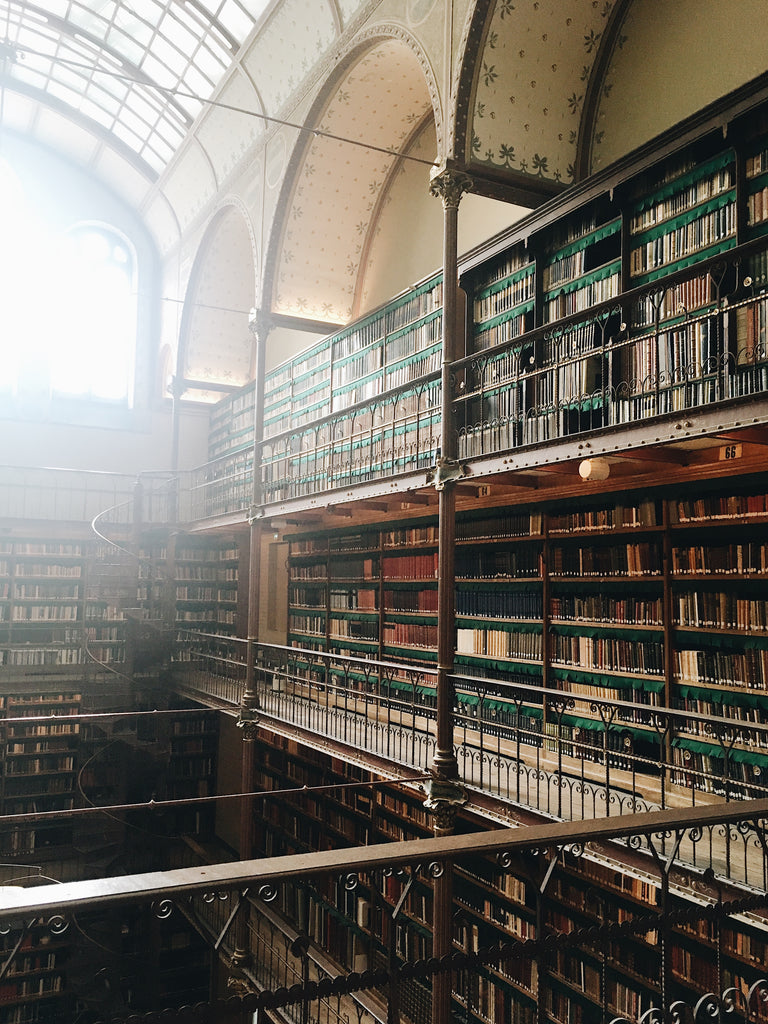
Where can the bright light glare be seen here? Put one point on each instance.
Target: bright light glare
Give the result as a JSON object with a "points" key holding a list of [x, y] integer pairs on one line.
{"points": [[67, 309]]}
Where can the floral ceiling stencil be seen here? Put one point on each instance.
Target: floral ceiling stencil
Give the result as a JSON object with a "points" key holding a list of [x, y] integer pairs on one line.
{"points": [[380, 101], [218, 346], [532, 80]]}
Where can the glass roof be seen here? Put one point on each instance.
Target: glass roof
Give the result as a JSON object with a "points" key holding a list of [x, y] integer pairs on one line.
{"points": [[141, 70]]}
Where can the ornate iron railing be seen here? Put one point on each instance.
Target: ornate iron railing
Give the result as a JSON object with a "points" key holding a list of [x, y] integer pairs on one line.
{"points": [[565, 756], [563, 886]]}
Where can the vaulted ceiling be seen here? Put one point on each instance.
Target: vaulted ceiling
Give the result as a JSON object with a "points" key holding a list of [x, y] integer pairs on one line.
{"points": [[168, 101]]}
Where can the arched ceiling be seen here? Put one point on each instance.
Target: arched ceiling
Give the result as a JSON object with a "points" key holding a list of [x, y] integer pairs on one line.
{"points": [[382, 100], [531, 83], [126, 89], [216, 342]]}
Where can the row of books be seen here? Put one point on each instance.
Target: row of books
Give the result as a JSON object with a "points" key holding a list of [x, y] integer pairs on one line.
{"points": [[609, 654], [496, 563], [690, 195], [577, 300], [720, 610], [411, 566], [363, 599], [717, 506], [673, 355], [748, 558], [506, 523], [407, 535], [418, 338], [562, 269], [499, 604], [757, 206], [49, 591], [365, 363], [413, 369], [229, 553], [684, 240], [494, 301], [44, 613], [679, 299], [409, 634], [751, 328], [612, 517], [497, 643], [746, 669], [352, 629], [634, 559], [581, 339], [424, 601], [607, 608], [500, 333]]}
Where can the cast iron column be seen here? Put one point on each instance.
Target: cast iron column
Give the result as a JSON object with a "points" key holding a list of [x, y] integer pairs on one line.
{"points": [[248, 719], [445, 794]]}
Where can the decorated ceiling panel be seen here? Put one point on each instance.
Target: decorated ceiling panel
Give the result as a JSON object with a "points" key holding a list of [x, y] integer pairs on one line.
{"points": [[532, 80], [218, 341], [381, 101], [288, 47]]}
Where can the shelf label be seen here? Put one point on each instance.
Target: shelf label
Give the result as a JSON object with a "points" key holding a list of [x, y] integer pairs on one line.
{"points": [[730, 451]]}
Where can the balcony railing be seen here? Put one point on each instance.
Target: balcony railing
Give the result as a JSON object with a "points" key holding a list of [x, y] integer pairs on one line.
{"points": [[566, 909], [564, 756]]}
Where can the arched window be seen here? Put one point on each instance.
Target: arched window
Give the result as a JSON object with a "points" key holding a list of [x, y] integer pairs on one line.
{"points": [[68, 305]]}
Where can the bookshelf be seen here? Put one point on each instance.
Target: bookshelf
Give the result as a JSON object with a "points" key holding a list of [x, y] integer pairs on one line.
{"points": [[652, 599], [231, 426], [209, 595], [34, 987], [40, 759]]}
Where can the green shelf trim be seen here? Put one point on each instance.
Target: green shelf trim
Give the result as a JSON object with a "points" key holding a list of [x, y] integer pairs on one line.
{"points": [[595, 235], [360, 353], [695, 174], [344, 389], [651, 684], [319, 368], [714, 749], [414, 324], [419, 653], [353, 614], [419, 619], [517, 275], [500, 318], [510, 708], [323, 402], [517, 584], [759, 229], [596, 725], [498, 625], [607, 630], [687, 261], [410, 360], [522, 667], [694, 641], [353, 644], [409, 584], [740, 698], [607, 270], [757, 183], [666, 227]]}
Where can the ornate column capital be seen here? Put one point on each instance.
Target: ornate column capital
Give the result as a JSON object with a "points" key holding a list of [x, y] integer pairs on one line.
{"points": [[444, 798], [449, 184], [249, 729], [259, 323]]}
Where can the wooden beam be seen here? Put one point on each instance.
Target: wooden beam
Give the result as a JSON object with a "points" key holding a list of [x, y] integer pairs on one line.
{"points": [[750, 435], [657, 455]]}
